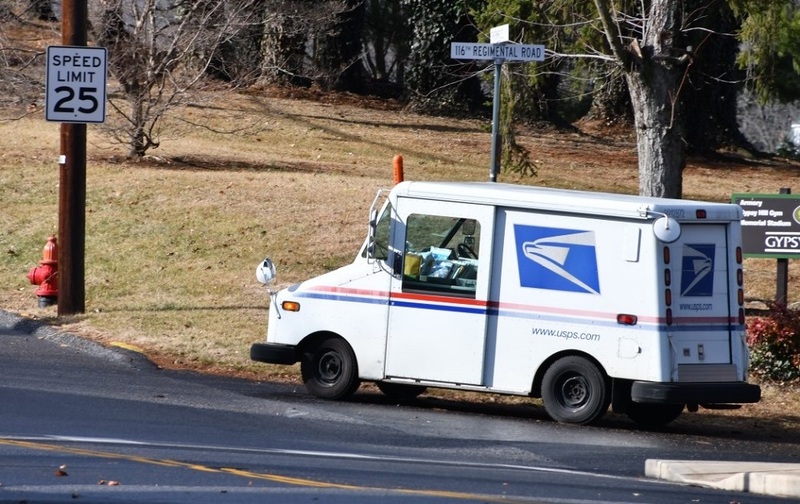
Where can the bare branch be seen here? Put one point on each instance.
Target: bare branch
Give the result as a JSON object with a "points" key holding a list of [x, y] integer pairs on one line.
{"points": [[159, 52], [612, 30]]}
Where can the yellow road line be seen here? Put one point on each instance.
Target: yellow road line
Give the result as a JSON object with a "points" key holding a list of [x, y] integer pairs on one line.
{"points": [[246, 474], [126, 346]]}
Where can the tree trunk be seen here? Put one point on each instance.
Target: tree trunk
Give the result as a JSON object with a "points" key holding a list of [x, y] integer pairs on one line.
{"points": [[283, 43], [137, 145], [653, 85], [611, 101], [658, 139], [653, 69]]}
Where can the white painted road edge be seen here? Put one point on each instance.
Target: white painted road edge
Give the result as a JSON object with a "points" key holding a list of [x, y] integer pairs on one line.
{"points": [[768, 478]]}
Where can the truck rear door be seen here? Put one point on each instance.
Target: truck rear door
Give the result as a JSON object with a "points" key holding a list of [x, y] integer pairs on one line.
{"points": [[703, 305]]}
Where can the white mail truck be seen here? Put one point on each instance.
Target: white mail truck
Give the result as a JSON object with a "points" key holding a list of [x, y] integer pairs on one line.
{"points": [[585, 300]]}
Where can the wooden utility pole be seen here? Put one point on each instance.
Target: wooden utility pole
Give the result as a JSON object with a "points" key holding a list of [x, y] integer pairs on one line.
{"points": [[72, 182]]}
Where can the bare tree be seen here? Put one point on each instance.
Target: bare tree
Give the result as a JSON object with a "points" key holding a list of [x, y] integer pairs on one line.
{"points": [[653, 69], [160, 50], [22, 61]]}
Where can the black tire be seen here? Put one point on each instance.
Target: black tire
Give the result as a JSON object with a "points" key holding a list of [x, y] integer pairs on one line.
{"points": [[329, 369], [575, 391], [653, 415], [401, 392]]}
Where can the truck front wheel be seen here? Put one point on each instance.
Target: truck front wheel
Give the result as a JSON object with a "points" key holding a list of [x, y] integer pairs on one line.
{"points": [[574, 391], [329, 369]]}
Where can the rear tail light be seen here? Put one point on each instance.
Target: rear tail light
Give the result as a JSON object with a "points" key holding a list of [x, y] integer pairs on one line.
{"points": [[666, 255], [668, 297], [700, 213], [669, 316], [739, 255]]}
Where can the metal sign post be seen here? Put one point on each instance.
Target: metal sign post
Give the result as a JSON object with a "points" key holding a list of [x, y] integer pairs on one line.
{"points": [[499, 50], [494, 167], [497, 35]]}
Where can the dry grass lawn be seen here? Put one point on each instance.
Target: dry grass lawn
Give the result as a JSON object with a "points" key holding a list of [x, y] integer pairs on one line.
{"points": [[172, 242]]}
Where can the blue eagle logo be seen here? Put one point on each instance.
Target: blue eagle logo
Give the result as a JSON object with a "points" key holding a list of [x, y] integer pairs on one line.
{"points": [[557, 259], [697, 270]]}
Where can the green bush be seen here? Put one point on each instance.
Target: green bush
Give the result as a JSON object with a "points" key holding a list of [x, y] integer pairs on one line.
{"points": [[774, 342]]}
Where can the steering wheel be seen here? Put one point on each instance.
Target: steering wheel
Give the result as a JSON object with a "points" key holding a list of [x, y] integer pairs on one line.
{"points": [[465, 250]]}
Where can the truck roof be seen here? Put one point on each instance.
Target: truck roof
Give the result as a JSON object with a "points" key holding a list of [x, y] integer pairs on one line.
{"points": [[570, 201]]}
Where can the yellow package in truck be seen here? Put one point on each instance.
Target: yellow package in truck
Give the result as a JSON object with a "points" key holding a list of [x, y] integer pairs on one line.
{"points": [[412, 264]]}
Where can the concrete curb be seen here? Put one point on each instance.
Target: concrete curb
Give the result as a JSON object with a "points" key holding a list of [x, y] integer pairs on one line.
{"points": [[767, 478], [115, 351]]}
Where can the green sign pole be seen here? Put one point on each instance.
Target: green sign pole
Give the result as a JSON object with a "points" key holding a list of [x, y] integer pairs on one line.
{"points": [[782, 278]]}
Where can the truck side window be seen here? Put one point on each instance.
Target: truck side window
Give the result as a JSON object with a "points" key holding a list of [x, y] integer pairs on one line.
{"points": [[441, 254]]}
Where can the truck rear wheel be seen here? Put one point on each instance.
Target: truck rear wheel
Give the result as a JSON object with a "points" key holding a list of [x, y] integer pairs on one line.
{"points": [[329, 369], [574, 391], [653, 415]]}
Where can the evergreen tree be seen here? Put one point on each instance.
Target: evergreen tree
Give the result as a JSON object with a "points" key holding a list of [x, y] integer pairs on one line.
{"points": [[434, 84], [770, 47], [337, 50]]}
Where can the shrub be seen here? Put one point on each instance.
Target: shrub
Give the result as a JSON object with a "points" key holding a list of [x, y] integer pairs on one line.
{"points": [[774, 342]]}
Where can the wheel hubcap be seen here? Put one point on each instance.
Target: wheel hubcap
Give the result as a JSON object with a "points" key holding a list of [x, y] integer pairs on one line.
{"points": [[574, 391], [329, 367]]}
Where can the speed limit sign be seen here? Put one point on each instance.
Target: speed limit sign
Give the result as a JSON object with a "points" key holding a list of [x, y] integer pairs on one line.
{"points": [[76, 84]]}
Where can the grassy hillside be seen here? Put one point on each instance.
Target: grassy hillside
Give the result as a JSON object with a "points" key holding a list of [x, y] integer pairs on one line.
{"points": [[172, 241]]}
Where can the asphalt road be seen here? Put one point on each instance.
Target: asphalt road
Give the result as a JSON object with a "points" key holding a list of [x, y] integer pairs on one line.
{"points": [[81, 423]]}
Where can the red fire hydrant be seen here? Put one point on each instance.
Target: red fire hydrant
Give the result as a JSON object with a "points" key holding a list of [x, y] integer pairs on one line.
{"points": [[46, 274]]}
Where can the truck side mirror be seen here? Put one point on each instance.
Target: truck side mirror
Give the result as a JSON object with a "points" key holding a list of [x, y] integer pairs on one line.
{"points": [[468, 227], [666, 229], [265, 272]]}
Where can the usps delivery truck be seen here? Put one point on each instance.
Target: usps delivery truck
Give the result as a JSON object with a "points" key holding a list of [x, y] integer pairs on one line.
{"points": [[582, 299]]}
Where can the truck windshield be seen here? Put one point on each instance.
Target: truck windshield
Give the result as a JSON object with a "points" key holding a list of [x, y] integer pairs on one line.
{"points": [[379, 248]]}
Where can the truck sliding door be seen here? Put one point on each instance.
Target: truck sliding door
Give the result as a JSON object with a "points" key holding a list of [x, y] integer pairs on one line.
{"points": [[438, 305]]}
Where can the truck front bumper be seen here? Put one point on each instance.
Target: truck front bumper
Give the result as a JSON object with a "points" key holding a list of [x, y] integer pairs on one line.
{"points": [[273, 354], [695, 393]]}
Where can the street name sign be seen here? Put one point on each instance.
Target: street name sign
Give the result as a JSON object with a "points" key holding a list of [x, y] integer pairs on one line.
{"points": [[507, 52], [76, 84], [500, 50]]}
